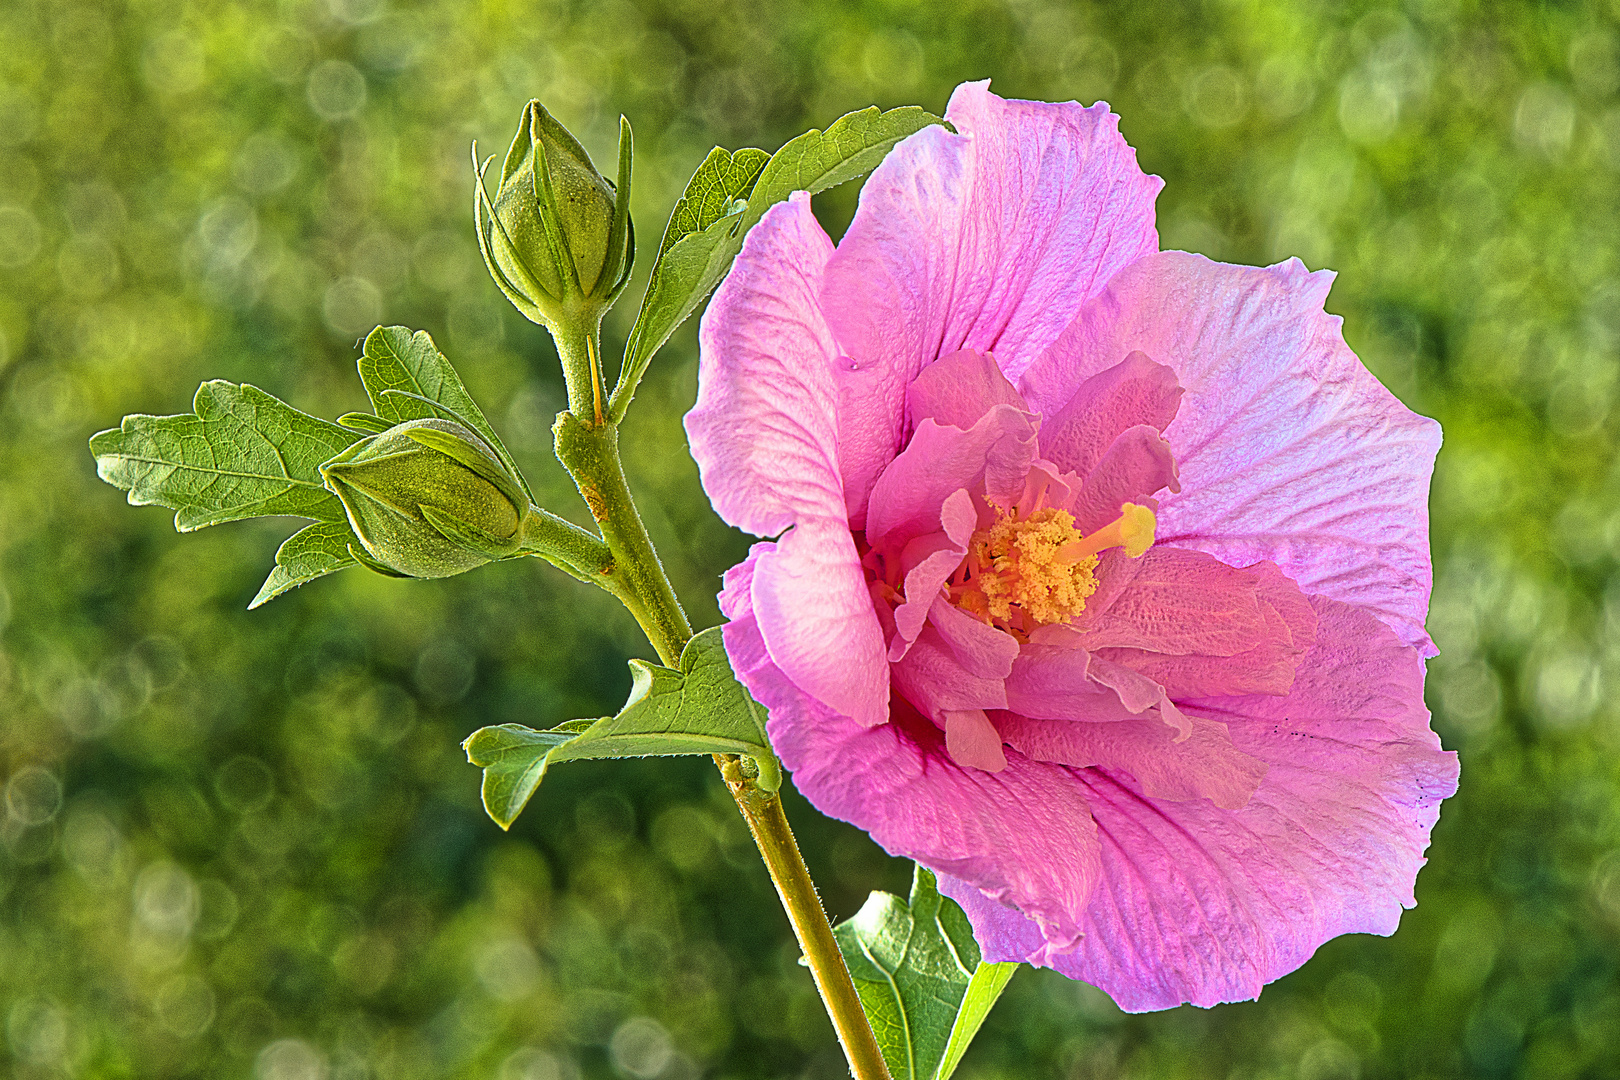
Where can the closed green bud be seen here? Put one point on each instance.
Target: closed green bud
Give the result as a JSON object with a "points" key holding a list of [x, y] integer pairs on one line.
{"points": [[428, 499], [557, 237]]}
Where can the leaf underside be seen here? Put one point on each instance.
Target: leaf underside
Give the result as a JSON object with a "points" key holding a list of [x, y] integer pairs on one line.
{"points": [[727, 195], [699, 709], [919, 975]]}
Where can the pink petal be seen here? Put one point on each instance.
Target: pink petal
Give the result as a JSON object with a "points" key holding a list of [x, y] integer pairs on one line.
{"points": [[1054, 683], [981, 649], [1200, 904], [1288, 448], [959, 389], [1205, 765], [973, 741], [990, 239], [932, 558], [1138, 693], [1105, 406], [764, 436], [1266, 668], [764, 429], [932, 677], [993, 456], [816, 615], [1022, 834], [1137, 465], [1180, 602]]}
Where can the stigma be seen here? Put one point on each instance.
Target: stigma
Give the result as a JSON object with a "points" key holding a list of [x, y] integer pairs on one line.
{"points": [[1028, 571]]}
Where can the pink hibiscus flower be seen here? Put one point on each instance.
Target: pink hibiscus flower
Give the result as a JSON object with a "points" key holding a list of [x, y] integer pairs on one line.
{"points": [[1100, 572]]}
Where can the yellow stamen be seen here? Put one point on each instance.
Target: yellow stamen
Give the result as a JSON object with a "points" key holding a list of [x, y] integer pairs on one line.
{"points": [[1024, 573]]}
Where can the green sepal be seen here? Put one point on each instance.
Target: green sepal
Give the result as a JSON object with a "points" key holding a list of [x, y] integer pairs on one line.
{"points": [[459, 450], [699, 709], [408, 378], [359, 554], [481, 206], [362, 421], [545, 195], [920, 977], [622, 238], [468, 535]]}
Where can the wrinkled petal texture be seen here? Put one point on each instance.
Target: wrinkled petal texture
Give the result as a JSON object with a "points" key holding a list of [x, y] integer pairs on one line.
{"points": [[764, 433], [1195, 903], [1288, 448], [897, 782], [1224, 760], [987, 239]]}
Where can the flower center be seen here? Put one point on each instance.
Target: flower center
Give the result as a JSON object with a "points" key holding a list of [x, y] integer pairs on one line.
{"points": [[1022, 573]]}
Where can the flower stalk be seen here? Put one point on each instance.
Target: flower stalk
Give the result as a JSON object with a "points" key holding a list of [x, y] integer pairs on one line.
{"points": [[588, 448], [769, 827]]}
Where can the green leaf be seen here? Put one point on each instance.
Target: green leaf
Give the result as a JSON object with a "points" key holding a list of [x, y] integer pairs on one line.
{"points": [[309, 553], [727, 195], [988, 982], [700, 709], [713, 192], [852, 146], [400, 369], [239, 454], [918, 972]]}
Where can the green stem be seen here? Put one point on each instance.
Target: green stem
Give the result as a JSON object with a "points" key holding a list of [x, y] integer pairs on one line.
{"points": [[589, 449], [567, 546], [769, 826]]}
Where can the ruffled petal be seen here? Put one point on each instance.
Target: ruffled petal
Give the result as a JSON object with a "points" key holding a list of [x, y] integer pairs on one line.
{"points": [[1197, 627], [930, 560], [817, 618], [989, 239], [980, 648], [1175, 601], [992, 457], [1134, 391], [1288, 448], [1050, 682], [1266, 668], [1204, 765], [764, 430], [973, 741], [1200, 904], [959, 389], [1138, 465], [934, 679]]}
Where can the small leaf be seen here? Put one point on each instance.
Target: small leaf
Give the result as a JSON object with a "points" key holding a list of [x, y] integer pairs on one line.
{"points": [[309, 553], [700, 709], [722, 182], [988, 982], [395, 359], [916, 967], [241, 453], [852, 146], [706, 230]]}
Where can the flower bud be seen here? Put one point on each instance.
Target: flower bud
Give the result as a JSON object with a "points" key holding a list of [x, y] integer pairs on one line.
{"points": [[428, 498], [557, 238]]}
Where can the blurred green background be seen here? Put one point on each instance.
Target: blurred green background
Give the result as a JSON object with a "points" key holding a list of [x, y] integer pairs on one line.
{"points": [[247, 845]]}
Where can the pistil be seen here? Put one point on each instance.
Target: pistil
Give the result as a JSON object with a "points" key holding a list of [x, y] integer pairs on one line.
{"points": [[1031, 571]]}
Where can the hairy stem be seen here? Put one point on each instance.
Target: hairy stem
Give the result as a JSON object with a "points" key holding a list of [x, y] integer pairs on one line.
{"points": [[589, 449], [769, 826]]}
